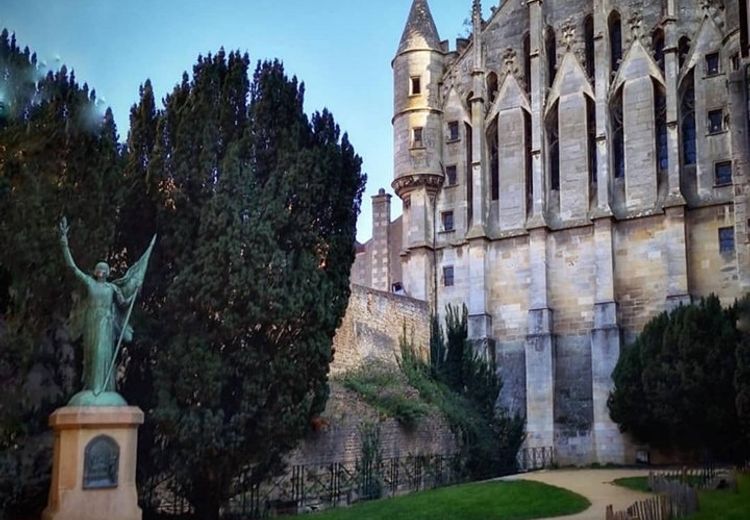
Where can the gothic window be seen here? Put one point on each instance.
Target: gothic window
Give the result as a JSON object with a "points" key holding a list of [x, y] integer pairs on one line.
{"points": [[492, 86], [527, 62], [453, 134], [687, 116], [529, 173], [715, 121], [416, 85], [683, 49], [657, 45], [468, 138], [448, 223], [615, 40], [588, 30], [417, 138], [712, 64], [618, 138], [553, 146], [591, 124], [451, 174], [723, 171], [494, 161], [660, 119], [448, 276], [551, 48], [726, 240]]}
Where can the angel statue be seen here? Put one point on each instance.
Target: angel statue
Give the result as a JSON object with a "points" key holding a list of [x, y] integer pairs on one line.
{"points": [[102, 319]]}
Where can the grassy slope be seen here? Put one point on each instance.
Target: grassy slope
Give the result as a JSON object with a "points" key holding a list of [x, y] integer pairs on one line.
{"points": [[486, 501]]}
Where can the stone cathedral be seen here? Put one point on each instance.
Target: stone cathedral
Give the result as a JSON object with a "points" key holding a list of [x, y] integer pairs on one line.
{"points": [[568, 171]]}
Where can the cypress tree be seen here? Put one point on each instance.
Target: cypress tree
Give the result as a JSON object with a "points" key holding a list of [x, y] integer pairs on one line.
{"points": [[59, 156], [256, 209]]}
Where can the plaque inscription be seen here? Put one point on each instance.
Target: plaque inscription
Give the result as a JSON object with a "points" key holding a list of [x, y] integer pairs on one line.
{"points": [[101, 463]]}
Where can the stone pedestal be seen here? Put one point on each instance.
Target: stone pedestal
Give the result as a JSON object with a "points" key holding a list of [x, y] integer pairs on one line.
{"points": [[93, 471]]}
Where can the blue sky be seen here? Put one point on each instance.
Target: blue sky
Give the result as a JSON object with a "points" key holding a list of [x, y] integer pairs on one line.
{"points": [[341, 49]]}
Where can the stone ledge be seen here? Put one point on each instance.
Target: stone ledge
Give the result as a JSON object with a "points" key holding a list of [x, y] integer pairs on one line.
{"points": [[77, 417]]}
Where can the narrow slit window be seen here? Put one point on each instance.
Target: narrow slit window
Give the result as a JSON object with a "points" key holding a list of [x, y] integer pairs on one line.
{"points": [[712, 64], [726, 240], [451, 173], [615, 40], [618, 138], [448, 222], [715, 121], [448, 276], [418, 141], [723, 172], [453, 134], [660, 117], [416, 85]]}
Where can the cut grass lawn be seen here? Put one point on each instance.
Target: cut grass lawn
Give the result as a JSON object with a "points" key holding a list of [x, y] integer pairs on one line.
{"points": [[721, 504], [515, 500], [634, 483], [726, 505]]}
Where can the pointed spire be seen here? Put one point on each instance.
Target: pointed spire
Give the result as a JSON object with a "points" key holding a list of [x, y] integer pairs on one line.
{"points": [[420, 31]]}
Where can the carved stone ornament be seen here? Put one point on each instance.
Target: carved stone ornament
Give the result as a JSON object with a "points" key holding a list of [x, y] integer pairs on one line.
{"points": [[408, 183]]}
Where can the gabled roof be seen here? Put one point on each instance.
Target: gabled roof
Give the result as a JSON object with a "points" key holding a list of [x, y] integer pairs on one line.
{"points": [[420, 32]]}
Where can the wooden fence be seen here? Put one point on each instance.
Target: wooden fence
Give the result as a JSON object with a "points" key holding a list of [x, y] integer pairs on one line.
{"points": [[674, 500]]}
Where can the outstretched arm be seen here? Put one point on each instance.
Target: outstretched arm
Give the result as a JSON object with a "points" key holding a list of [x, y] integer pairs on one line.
{"points": [[66, 251]]}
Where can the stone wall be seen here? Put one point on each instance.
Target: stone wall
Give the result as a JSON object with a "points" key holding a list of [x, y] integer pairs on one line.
{"points": [[372, 328], [339, 437]]}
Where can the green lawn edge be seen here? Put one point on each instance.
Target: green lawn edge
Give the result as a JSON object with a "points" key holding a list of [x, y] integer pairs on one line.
{"points": [[714, 504], [494, 500], [634, 483]]}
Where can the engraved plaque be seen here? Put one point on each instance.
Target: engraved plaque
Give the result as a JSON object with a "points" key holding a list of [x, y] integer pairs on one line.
{"points": [[101, 463]]}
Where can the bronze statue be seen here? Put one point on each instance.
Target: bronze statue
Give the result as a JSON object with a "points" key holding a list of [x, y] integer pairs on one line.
{"points": [[102, 319]]}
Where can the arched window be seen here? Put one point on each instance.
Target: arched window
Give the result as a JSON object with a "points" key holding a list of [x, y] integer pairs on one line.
{"points": [[494, 161], [527, 62], [529, 172], [683, 49], [492, 86], [591, 124], [551, 48], [615, 40], [687, 117], [618, 137], [588, 34], [660, 121], [657, 46], [553, 148]]}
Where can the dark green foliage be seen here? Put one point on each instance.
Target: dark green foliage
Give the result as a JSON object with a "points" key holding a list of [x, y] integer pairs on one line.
{"points": [[465, 388], [369, 462], [437, 345], [58, 155], [256, 209], [674, 386], [742, 375]]}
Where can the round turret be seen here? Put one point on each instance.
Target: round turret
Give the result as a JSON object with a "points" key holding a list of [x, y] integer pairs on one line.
{"points": [[418, 123]]}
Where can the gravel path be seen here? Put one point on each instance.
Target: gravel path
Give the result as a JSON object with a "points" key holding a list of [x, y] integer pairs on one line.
{"points": [[594, 484]]}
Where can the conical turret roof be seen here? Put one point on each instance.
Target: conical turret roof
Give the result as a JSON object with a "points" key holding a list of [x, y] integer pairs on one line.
{"points": [[420, 31]]}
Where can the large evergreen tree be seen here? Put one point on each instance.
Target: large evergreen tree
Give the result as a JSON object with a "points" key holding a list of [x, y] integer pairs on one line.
{"points": [[58, 155], [674, 387], [256, 207]]}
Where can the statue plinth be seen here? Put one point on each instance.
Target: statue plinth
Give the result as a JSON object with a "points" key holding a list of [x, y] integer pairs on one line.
{"points": [[93, 470]]}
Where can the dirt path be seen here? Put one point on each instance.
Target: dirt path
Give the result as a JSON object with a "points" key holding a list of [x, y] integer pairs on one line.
{"points": [[595, 484]]}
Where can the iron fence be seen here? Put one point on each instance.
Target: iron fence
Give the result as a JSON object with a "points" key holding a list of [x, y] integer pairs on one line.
{"points": [[314, 487]]}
